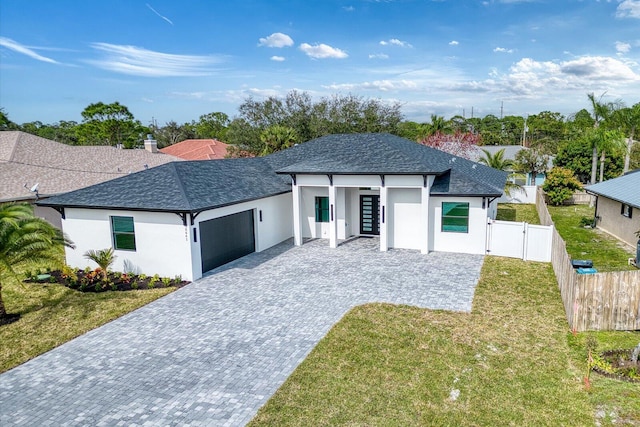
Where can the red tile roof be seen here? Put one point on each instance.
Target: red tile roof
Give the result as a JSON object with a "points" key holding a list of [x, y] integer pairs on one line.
{"points": [[197, 149]]}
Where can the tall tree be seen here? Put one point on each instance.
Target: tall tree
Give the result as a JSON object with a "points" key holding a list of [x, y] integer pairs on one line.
{"points": [[24, 238], [498, 161], [532, 161], [212, 126], [627, 121], [109, 124], [277, 137], [600, 111], [5, 123]]}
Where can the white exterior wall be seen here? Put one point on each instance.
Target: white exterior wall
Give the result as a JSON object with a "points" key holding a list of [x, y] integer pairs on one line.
{"points": [[163, 245], [526, 195], [276, 225], [162, 242], [473, 242], [406, 225]]}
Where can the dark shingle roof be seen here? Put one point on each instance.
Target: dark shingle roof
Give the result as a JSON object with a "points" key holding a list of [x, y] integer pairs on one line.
{"points": [[380, 153], [195, 186], [624, 189], [181, 187]]}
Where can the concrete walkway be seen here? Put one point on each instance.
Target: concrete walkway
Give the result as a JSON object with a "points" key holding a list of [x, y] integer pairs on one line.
{"points": [[213, 352]]}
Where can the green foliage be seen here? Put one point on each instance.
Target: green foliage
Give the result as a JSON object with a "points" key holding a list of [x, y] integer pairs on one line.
{"points": [[330, 115], [212, 126], [532, 161], [109, 124], [577, 155], [276, 138], [560, 185], [103, 257], [24, 239]]}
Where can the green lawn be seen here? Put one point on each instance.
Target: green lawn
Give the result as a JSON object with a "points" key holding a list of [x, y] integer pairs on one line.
{"points": [[511, 361], [518, 212], [53, 314], [607, 253]]}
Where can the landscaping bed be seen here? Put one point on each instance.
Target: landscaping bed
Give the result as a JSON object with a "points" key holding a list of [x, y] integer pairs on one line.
{"points": [[88, 280]]}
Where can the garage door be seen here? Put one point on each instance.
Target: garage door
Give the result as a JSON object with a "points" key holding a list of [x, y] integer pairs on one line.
{"points": [[227, 238]]}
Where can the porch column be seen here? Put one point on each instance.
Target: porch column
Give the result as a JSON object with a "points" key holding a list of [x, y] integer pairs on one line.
{"points": [[424, 213], [297, 225], [384, 217], [333, 217]]}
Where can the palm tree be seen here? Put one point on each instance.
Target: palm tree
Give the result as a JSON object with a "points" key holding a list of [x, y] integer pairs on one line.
{"points": [[103, 257], [601, 112], [277, 137], [24, 239], [498, 161]]}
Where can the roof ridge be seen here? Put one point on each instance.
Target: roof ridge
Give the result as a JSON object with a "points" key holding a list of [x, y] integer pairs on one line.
{"points": [[181, 186], [15, 145]]}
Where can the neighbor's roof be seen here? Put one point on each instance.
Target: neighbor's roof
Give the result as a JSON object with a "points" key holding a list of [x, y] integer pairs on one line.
{"points": [[382, 153], [197, 149], [624, 189], [26, 160], [201, 185], [181, 187]]}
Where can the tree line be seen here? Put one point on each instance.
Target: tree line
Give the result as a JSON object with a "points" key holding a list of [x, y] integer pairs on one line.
{"points": [[596, 142]]}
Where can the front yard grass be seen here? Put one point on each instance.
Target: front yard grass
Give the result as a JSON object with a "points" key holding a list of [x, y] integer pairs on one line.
{"points": [[511, 361], [53, 314], [518, 212], [607, 252]]}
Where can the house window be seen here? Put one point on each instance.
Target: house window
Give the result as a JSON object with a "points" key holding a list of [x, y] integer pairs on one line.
{"points": [[455, 217], [124, 236], [322, 209], [626, 211]]}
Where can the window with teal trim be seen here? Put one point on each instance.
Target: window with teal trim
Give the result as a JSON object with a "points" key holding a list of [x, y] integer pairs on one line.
{"points": [[124, 236], [455, 217], [322, 209]]}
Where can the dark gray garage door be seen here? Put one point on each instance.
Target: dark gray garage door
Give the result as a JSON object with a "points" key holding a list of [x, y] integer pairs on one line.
{"points": [[227, 238]]}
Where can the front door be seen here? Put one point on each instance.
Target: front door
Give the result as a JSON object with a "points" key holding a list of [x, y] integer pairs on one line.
{"points": [[370, 214]]}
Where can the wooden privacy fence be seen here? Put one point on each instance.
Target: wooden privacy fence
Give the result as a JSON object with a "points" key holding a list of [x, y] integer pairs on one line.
{"points": [[601, 301]]}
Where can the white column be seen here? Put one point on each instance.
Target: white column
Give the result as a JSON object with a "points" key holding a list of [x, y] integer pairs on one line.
{"points": [[297, 225], [426, 222], [384, 216], [333, 218]]}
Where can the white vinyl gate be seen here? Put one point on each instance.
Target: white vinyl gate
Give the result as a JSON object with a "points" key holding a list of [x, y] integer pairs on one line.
{"points": [[519, 240]]}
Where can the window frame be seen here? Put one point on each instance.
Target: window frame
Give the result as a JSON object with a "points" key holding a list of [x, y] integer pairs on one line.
{"points": [[116, 233], [446, 228], [322, 212]]}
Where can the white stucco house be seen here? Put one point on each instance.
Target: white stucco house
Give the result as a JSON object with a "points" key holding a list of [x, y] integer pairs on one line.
{"points": [[186, 218]]}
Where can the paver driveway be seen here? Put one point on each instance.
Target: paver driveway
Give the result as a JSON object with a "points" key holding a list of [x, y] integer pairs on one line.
{"points": [[213, 352]]}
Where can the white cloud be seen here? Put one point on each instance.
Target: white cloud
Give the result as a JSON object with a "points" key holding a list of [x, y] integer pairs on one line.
{"points": [[454, 43], [138, 61], [395, 42], [503, 50], [17, 47], [277, 58], [622, 47], [349, 8], [378, 56], [381, 85], [276, 40], [599, 68], [322, 51], [628, 9]]}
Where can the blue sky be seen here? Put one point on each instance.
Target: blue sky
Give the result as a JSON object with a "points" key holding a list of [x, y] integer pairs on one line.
{"points": [[177, 60]]}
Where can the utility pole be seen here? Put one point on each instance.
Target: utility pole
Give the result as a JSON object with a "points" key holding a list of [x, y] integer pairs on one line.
{"points": [[525, 129], [501, 109]]}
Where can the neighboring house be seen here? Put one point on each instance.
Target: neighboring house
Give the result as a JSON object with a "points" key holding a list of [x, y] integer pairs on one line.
{"points": [[510, 152], [33, 168], [187, 218], [197, 149], [618, 206]]}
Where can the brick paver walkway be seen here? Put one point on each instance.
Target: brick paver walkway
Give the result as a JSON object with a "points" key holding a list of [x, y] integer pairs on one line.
{"points": [[214, 351]]}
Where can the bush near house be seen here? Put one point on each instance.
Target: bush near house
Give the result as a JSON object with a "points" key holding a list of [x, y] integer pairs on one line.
{"points": [[560, 185]]}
